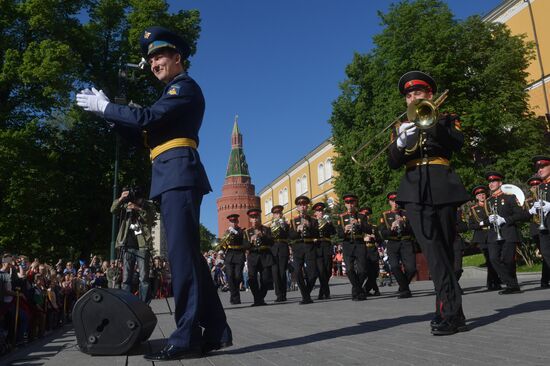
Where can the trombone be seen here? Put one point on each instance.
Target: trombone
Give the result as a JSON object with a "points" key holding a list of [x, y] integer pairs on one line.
{"points": [[422, 112]]}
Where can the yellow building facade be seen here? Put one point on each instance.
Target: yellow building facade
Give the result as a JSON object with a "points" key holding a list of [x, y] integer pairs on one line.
{"points": [[529, 17], [312, 176]]}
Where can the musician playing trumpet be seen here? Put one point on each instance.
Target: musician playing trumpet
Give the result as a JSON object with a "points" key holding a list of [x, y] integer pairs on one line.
{"points": [[504, 236], [258, 241], [279, 232], [303, 232], [232, 243], [394, 228], [323, 248], [353, 228], [541, 209]]}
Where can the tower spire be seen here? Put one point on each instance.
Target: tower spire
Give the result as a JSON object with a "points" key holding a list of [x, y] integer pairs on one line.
{"points": [[237, 165]]}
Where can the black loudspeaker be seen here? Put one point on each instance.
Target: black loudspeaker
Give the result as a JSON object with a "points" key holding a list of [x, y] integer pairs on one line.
{"points": [[111, 321]]}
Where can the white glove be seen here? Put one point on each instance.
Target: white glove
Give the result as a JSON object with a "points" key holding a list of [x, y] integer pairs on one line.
{"points": [[233, 230], [498, 219], [481, 223], [92, 101], [405, 130], [533, 210], [545, 206]]}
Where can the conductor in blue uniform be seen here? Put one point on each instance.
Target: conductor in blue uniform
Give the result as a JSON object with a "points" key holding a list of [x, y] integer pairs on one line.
{"points": [[170, 129]]}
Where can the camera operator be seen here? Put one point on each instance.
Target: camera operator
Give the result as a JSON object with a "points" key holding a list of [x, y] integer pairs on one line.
{"points": [[134, 239]]}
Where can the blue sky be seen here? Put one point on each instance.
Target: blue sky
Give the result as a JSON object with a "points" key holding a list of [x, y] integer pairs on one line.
{"points": [[278, 64]]}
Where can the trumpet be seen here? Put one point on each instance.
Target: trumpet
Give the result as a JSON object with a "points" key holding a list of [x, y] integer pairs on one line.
{"points": [[422, 112], [494, 211], [277, 226], [540, 210]]}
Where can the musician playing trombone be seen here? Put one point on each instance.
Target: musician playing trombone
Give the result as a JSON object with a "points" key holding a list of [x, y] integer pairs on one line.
{"points": [[504, 236], [430, 191], [541, 208]]}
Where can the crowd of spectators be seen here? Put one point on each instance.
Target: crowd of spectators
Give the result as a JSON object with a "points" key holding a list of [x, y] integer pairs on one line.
{"points": [[37, 297]]}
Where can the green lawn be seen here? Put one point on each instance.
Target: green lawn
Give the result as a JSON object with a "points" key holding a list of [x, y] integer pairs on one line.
{"points": [[477, 260]]}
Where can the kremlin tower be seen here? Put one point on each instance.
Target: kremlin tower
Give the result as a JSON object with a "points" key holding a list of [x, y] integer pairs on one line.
{"points": [[238, 194]]}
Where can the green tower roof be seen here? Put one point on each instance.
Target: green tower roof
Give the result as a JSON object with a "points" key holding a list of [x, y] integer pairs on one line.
{"points": [[237, 165]]}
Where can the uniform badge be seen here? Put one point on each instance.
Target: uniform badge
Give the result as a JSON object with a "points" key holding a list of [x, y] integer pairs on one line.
{"points": [[174, 90], [146, 35]]}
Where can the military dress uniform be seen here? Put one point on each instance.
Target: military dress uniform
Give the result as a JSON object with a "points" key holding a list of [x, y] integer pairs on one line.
{"points": [[279, 233], [233, 244], [354, 249], [430, 191], [324, 250], [303, 251], [540, 162], [170, 128], [259, 260], [502, 252], [400, 247], [478, 221]]}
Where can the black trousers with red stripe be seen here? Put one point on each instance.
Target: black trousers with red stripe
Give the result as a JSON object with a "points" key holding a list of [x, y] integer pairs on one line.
{"points": [[435, 228]]}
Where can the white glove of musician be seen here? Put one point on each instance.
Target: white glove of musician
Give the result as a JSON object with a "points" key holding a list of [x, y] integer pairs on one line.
{"points": [[232, 230], [405, 130], [498, 219], [92, 101], [545, 207]]}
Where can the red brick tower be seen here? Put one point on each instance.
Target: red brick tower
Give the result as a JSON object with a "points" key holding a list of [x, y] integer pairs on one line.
{"points": [[238, 194]]}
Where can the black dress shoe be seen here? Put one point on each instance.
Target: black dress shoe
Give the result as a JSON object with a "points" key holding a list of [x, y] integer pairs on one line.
{"points": [[209, 347], [259, 303], [306, 301], [376, 293], [544, 285], [279, 299], [236, 302], [445, 327], [327, 297], [321, 297], [435, 321], [171, 352], [510, 290], [404, 294]]}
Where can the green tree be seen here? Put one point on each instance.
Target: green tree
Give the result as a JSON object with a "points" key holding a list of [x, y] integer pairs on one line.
{"points": [[482, 65], [56, 160], [207, 238]]}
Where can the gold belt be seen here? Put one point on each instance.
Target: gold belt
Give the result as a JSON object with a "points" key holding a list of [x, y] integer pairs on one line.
{"points": [[436, 160], [238, 247], [371, 245], [170, 144], [263, 247], [306, 240], [396, 238]]}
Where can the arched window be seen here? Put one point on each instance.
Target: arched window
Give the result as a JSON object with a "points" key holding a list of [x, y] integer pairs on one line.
{"points": [[298, 187], [304, 184], [281, 197], [320, 173], [268, 206], [328, 169], [285, 196]]}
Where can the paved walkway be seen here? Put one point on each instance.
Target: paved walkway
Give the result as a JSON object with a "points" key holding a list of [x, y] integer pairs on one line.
{"points": [[505, 330]]}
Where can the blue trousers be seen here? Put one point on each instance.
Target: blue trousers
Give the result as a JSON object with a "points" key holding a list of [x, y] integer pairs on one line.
{"points": [[197, 303]]}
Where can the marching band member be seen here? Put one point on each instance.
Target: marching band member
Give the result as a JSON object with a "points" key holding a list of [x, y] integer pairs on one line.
{"points": [[232, 243], [540, 210], [479, 222], [259, 259], [303, 232], [323, 247], [503, 233], [279, 232], [394, 227], [430, 192], [354, 226]]}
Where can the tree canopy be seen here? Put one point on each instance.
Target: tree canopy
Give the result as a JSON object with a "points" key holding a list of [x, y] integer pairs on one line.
{"points": [[56, 161], [483, 66]]}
